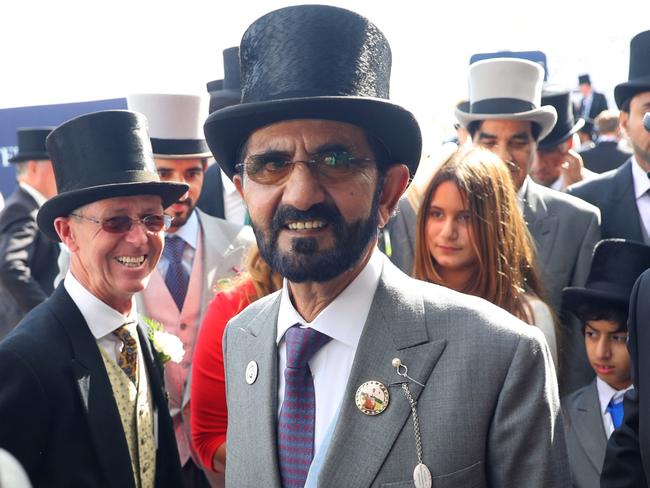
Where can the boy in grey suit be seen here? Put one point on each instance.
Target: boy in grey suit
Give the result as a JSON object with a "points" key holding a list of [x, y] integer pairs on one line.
{"points": [[355, 375], [593, 412]]}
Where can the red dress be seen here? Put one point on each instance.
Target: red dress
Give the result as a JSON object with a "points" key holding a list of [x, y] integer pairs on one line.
{"points": [[209, 416]]}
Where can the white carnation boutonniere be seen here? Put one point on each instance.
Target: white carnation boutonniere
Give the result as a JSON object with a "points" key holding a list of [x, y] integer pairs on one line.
{"points": [[167, 346]]}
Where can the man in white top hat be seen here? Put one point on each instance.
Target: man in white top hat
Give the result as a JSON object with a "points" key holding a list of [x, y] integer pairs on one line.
{"points": [[504, 114], [199, 249]]}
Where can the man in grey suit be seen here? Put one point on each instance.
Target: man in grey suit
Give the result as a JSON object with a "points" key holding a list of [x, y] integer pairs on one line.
{"points": [[504, 115], [354, 374]]}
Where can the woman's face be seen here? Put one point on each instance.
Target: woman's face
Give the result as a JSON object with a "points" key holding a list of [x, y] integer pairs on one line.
{"points": [[449, 231]]}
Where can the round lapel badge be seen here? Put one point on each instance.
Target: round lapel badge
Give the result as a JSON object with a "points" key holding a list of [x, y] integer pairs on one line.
{"points": [[251, 372], [372, 398]]}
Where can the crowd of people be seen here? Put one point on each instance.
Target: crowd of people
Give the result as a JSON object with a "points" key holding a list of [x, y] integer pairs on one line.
{"points": [[282, 295]]}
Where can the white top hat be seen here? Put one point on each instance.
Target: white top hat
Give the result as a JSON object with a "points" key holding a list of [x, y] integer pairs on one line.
{"points": [[175, 123], [506, 89]]}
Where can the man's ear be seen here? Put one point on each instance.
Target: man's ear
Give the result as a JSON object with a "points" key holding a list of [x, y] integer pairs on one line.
{"points": [[66, 233], [395, 182], [623, 118], [239, 184]]}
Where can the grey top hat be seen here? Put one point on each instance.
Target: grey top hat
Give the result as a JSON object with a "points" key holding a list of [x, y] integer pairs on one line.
{"points": [[175, 123], [98, 156], [314, 62], [506, 89]]}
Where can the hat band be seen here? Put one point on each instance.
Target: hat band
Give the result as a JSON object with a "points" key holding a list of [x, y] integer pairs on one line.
{"points": [[179, 146], [501, 106]]}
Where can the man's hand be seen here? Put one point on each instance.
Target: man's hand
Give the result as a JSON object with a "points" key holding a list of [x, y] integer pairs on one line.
{"points": [[572, 168]]}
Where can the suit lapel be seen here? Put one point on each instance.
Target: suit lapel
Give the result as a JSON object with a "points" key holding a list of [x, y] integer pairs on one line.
{"points": [[260, 346], [542, 225], [624, 212], [95, 393], [396, 327], [588, 425]]}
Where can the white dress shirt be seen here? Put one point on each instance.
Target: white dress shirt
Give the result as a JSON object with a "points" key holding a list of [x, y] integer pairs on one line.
{"points": [[521, 193], [102, 319], [605, 394], [342, 320], [190, 234], [641, 187]]}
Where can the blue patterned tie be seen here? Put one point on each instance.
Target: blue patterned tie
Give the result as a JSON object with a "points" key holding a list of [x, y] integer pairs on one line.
{"points": [[616, 412], [298, 412], [177, 277]]}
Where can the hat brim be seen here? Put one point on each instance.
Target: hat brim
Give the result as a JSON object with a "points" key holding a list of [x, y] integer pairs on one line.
{"points": [[558, 140], [227, 129], [573, 297], [200, 155], [34, 156], [627, 90], [545, 117], [61, 205]]}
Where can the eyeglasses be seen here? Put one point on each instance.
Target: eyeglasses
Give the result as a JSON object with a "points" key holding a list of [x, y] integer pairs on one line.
{"points": [[332, 166], [122, 224]]}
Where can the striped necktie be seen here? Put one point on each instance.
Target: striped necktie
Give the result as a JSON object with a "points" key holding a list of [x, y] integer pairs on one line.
{"points": [[298, 412], [177, 279]]}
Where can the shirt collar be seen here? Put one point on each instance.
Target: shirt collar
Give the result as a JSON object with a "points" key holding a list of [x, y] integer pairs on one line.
{"points": [[101, 318], [640, 179], [189, 231], [34, 193], [606, 394], [344, 318]]}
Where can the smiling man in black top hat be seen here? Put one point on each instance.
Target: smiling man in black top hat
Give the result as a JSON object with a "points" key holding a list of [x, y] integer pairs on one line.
{"points": [[315, 379], [81, 395], [27, 257], [622, 194]]}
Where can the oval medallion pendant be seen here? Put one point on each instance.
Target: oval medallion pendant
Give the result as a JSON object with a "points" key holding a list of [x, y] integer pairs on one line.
{"points": [[422, 476]]}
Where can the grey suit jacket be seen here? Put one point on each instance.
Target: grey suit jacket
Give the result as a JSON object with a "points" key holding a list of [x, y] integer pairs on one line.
{"points": [[613, 193], [489, 413], [585, 435], [565, 230]]}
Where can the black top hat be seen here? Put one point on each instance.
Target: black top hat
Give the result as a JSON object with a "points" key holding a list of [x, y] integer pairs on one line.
{"points": [[584, 79], [226, 92], [560, 98], [102, 155], [616, 265], [639, 75], [314, 62], [31, 144]]}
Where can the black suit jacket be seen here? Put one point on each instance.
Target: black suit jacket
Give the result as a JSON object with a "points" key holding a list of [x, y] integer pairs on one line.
{"points": [[613, 194], [58, 416], [627, 461], [27, 258], [598, 104], [211, 199], [606, 156]]}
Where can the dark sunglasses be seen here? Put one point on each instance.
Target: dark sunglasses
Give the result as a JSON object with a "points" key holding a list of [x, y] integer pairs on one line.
{"points": [[122, 224]]}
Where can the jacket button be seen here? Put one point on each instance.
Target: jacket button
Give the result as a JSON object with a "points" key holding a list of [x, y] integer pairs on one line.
{"points": [[183, 326]]}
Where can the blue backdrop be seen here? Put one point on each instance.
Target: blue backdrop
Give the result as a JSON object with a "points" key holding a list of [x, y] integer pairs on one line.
{"points": [[39, 116]]}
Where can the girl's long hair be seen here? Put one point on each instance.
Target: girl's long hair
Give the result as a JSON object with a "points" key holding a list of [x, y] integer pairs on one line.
{"points": [[506, 267]]}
